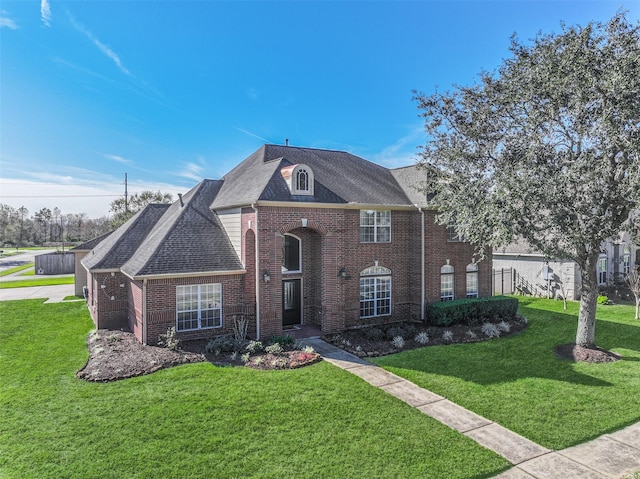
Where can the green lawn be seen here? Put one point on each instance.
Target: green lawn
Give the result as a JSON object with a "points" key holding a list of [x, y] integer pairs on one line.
{"points": [[39, 281], [15, 269], [204, 421], [521, 384]]}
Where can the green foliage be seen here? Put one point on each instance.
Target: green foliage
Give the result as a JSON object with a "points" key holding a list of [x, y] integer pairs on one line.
{"points": [[274, 348], [285, 341], [373, 334], [472, 310], [224, 344], [602, 299], [545, 148], [254, 347], [169, 339], [136, 202]]}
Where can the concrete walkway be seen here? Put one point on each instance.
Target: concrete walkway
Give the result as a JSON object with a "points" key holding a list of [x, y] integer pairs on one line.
{"points": [[608, 457], [52, 294]]}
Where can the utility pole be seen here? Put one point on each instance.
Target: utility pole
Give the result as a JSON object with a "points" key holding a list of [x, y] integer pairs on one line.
{"points": [[126, 196]]}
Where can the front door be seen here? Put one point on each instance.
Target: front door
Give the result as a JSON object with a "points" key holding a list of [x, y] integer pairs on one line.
{"points": [[291, 304]]}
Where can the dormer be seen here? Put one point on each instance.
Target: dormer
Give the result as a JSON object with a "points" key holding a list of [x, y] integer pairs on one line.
{"points": [[299, 179]]}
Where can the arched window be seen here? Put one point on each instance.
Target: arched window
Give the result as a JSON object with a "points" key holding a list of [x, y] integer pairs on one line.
{"points": [[302, 180], [291, 254], [472, 280], [375, 291], [446, 282]]}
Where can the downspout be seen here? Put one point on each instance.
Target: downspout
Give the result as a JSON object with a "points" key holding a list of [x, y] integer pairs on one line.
{"points": [[257, 272], [144, 311], [422, 267]]}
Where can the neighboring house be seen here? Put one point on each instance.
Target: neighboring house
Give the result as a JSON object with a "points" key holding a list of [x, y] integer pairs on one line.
{"points": [[518, 268], [291, 236], [80, 252]]}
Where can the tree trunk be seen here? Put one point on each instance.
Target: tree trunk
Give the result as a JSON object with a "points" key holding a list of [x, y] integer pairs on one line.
{"points": [[637, 308], [586, 334]]}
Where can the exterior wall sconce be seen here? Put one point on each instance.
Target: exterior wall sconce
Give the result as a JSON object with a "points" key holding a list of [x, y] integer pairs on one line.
{"points": [[266, 276], [343, 274]]}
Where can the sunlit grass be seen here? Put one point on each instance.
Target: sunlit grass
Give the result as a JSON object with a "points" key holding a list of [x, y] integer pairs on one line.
{"points": [[40, 281], [16, 269], [520, 383], [202, 421]]}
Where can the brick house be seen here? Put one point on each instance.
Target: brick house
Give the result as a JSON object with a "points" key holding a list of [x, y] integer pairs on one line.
{"points": [[291, 236]]}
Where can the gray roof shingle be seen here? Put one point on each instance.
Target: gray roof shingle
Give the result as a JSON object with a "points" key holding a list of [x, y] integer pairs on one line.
{"points": [[123, 243], [340, 177], [187, 239]]}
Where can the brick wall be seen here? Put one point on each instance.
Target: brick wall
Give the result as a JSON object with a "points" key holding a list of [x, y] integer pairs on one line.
{"points": [[161, 305]]}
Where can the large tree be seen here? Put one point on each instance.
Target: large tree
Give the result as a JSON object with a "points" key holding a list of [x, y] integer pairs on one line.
{"points": [[546, 148], [125, 208]]}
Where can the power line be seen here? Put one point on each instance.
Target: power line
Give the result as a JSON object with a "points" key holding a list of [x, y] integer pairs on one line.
{"points": [[62, 196]]}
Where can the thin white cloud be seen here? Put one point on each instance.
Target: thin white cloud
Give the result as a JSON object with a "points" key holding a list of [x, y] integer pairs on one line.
{"points": [[6, 22], [106, 50], [117, 158], [45, 12], [192, 171], [242, 130], [252, 93], [404, 151]]}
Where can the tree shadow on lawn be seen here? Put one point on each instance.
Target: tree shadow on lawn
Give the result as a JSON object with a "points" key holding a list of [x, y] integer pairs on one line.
{"points": [[529, 354]]}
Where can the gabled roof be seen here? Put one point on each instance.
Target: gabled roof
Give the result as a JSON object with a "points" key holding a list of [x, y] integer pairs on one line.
{"points": [[412, 179], [123, 243], [340, 177], [92, 243], [189, 238], [183, 238]]}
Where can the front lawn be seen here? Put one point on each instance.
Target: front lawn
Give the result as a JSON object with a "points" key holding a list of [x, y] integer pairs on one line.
{"points": [[203, 421], [521, 384], [40, 281]]}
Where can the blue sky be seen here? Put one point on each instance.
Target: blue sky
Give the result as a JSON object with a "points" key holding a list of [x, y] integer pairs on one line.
{"points": [[175, 91]]}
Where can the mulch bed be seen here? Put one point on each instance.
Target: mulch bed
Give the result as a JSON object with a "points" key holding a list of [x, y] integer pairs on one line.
{"points": [[576, 353], [357, 343], [115, 355]]}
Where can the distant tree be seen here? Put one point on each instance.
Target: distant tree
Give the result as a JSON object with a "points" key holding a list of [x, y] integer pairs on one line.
{"points": [[633, 281], [23, 213], [122, 212], [547, 148], [43, 220]]}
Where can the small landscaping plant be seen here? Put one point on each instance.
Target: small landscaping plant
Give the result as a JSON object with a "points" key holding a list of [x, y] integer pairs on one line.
{"points": [[398, 342], [490, 330], [422, 337], [169, 340]]}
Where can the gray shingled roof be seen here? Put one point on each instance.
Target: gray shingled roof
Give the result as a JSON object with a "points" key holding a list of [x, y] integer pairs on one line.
{"points": [[123, 243], [412, 180], [92, 243], [340, 177], [189, 238]]}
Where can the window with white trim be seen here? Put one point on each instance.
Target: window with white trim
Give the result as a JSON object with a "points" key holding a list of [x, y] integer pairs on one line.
{"points": [[375, 292], [291, 254], [375, 226], [626, 260], [198, 306], [452, 235], [472, 280], [446, 282], [602, 270]]}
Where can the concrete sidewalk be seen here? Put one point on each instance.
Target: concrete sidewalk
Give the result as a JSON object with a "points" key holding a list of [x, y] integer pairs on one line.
{"points": [[52, 294], [608, 457]]}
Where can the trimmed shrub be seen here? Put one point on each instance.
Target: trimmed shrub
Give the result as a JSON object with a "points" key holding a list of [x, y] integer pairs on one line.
{"points": [[223, 344], [373, 334], [472, 311]]}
